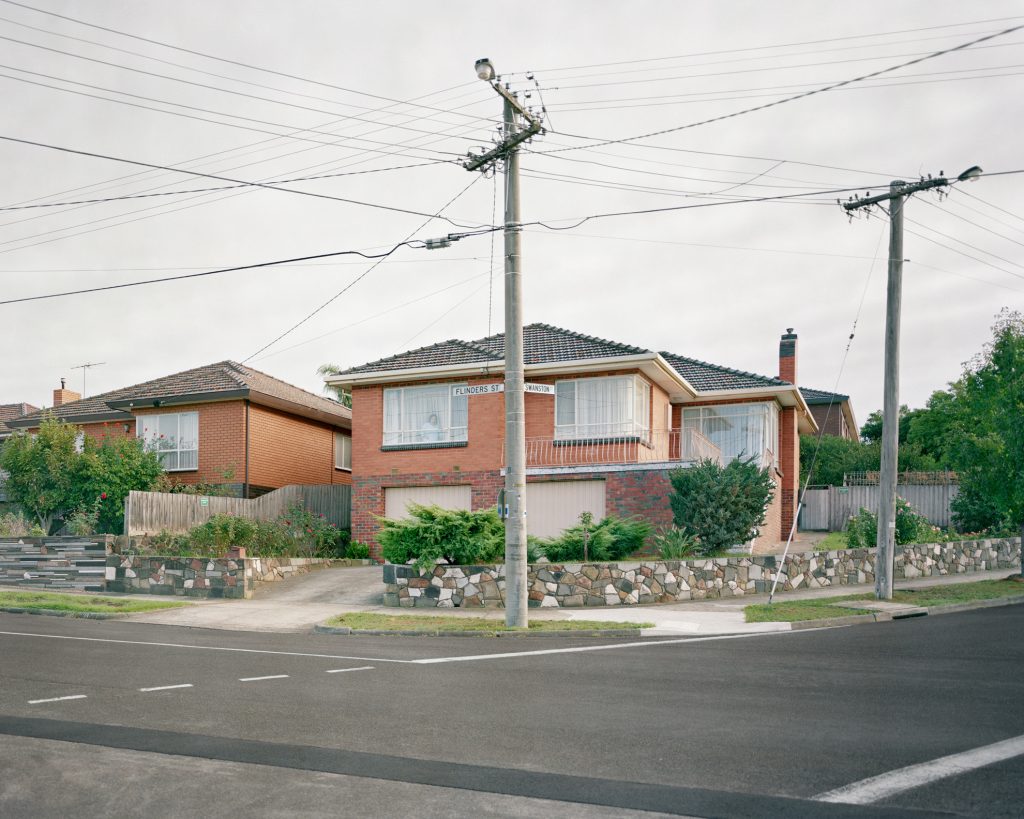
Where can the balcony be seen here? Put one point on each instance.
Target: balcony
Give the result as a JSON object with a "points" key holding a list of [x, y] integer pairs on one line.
{"points": [[659, 446]]}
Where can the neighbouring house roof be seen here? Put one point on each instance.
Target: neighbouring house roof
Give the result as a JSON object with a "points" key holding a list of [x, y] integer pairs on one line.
{"points": [[224, 380], [542, 343], [11, 411], [812, 396]]}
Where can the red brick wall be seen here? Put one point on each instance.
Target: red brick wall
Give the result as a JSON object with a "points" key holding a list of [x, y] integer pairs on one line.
{"points": [[286, 449], [111, 429], [221, 440], [789, 466]]}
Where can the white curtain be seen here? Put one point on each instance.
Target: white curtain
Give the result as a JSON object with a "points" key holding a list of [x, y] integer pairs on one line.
{"points": [[602, 407], [429, 414]]}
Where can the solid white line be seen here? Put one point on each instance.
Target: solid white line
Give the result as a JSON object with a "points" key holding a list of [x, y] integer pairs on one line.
{"points": [[914, 776], [200, 648], [343, 670], [582, 649], [58, 699], [256, 679], [167, 687]]}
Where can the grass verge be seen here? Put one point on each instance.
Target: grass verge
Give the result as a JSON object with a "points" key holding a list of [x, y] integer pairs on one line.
{"points": [[411, 622], [81, 603], [794, 610]]}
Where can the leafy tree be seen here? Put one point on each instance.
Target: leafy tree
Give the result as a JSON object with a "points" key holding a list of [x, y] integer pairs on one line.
{"points": [[871, 430], [106, 471], [838, 456], [40, 470], [722, 506], [344, 396], [989, 452]]}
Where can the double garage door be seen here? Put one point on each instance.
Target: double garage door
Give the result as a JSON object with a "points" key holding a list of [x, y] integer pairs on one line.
{"points": [[551, 506]]}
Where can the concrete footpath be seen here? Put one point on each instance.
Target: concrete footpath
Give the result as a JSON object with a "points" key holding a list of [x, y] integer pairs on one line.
{"points": [[299, 603]]}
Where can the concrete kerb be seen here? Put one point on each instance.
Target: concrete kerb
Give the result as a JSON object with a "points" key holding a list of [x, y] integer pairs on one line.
{"points": [[84, 615], [320, 628], [911, 611]]}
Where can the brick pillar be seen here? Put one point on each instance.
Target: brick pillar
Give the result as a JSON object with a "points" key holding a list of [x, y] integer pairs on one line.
{"points": [[789, 465], [787, 356]]}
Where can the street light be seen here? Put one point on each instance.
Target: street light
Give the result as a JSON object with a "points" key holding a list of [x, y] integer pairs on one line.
{"points": [[484, 69], [970, 175]]}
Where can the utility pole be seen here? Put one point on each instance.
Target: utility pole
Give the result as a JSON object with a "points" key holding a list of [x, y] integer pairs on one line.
{"points": [[886, 533], [515, 426]]}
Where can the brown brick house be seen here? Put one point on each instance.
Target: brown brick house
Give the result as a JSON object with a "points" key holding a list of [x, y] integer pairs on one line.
{"points": [[605, 423], [832, 412], [224, 423]]}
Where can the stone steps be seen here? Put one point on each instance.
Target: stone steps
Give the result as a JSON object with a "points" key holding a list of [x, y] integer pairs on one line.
{"points": [[52, 563]]}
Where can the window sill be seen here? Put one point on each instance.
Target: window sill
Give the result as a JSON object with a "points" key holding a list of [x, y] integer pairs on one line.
{"points": [[184, 469], [343, 469], [423, 445]]}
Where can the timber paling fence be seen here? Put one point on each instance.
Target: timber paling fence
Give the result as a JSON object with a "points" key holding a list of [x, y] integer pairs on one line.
{"points": [[828, 508], [148, 513]]}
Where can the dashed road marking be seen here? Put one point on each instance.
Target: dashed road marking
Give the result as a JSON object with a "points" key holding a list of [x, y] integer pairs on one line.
{"points": [[343, 670], [891, 783], [166, 687], [58, 699], [268, 677]]}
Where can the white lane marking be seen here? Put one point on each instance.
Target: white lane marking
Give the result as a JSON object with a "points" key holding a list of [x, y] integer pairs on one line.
{"points": [[200, 648], [582, 649], [167, 687], [58, 699], [257, 679], [343, 670], [914, 776]]}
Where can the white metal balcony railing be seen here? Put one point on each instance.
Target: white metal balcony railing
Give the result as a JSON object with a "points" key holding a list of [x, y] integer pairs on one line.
{"points": [[649, 447]]}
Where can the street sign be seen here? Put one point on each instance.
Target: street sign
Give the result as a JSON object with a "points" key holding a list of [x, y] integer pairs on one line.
{"points": [[488, 389]]}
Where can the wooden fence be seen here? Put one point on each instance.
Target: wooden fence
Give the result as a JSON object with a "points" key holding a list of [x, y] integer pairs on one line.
{"points": [[828, 508], [147, 513]]}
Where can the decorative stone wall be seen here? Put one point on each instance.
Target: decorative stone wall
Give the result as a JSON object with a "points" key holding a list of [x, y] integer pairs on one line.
{"points": [[200, 576], [671, 581]]}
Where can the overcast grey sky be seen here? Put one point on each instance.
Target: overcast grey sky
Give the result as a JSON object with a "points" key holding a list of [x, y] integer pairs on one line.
{"points": [[307, 88]]}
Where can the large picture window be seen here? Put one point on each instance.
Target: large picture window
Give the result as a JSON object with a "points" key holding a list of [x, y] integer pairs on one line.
{"points": [[174, 436], [424, 416], [608, 407], [739, 430]]}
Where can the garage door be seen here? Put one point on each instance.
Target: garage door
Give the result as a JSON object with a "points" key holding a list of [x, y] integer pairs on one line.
{"points": [[554, 506], [397, 499]]}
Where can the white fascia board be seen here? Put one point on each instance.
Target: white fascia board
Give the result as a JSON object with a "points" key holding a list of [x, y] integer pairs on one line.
{"points": [[415, 374], [788, 395]]}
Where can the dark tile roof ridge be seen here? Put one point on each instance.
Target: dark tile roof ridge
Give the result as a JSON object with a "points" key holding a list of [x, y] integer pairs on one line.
{"points": [[368, 366], [631, 347], [472, 345], [769, 378], [236, 370]]}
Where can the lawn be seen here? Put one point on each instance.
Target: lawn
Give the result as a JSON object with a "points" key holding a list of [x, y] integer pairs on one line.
{"points": [[793, 610], [431, 624], [81, 603]]}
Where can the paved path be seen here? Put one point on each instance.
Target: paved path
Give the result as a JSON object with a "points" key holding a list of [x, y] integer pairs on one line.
{"points": [[299, 603]]}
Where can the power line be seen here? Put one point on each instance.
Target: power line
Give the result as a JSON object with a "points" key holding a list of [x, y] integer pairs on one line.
{"points": [[207, 273], [778, 45], [214, 57], [971, 222], [793, 98], [233, 79], [218, 188], [242, 182], [365, 273], [979, 199]]}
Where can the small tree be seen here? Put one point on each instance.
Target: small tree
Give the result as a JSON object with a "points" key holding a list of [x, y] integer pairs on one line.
{"points": [[40, 470], [107, 471], [722, 506]]}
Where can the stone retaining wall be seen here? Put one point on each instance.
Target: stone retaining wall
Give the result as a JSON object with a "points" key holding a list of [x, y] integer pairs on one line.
{"points": [[671, 581], [200, 576]]}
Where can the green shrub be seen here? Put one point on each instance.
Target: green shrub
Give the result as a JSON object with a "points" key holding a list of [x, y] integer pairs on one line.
{"points": [[722, 506], [911, 527], [975, 511], [431, 534], [674, 543], [610, 540], [15, 524], [357, 551], [85, 521], [312, 533]]}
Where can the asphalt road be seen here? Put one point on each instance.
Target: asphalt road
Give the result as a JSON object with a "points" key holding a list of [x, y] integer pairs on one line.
{"points": [[749, 726]]}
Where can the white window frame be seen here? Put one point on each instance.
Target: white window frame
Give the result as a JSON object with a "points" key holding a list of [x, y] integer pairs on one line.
{"points": [[153, 441], [342, 451], [637, 425], [698, 417], [409, 435]]}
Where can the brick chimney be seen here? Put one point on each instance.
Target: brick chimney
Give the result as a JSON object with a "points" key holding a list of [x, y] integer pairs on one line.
{"points": [[787, 356], [64, 395]]}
